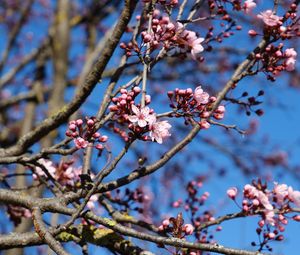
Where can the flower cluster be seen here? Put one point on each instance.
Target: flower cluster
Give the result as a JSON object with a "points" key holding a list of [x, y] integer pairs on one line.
{"points": [[84, 136], [272, 205], [274, 60], [191, 104], [284, 27], [169, 35], [176, 226], [140, 120], [64, 173], [200, 217], [270, 19]]}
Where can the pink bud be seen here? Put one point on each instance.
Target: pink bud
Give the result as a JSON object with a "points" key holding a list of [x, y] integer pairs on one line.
{"points": [[136, 89], [90, 123], [147, 38], [99, 147], [176, 204], [232, 192], [188, 229], [219, 116], [296, 217], [96, 135], [204, 124], [220, 109], [103, 138], [261, 223], [271, 235], [147, 99], [72, 127], [252, 32], [79, 122]]}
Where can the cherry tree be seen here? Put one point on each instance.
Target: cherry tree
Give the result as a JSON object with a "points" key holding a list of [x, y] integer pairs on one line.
{"points": [[119, 118]]}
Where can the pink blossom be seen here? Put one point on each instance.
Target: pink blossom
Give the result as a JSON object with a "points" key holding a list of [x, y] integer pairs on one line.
{"points": [[250, 191], [159, 131], [196, 47], [142, 117], [91, 203], [80, 143], [188, 229], [200, 96], [290, 53], [190, 40], [249, 5], [269, 216], [294, 196], [264, 200], [48, 164], [281, 192], [221, 109], [290, 64], [232, 192], [204, 124], [269, 18]]}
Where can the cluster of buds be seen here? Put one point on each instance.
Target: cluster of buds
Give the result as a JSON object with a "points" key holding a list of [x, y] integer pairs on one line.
{"points": [[191, 104], [193, 203], [271, 205], [122, 104], [122, 107], [136, 200], [139, 119], [64, 173], [177, 227], [275, 25], [168, 35], [84, 135], [274, 60], [237, 5]]}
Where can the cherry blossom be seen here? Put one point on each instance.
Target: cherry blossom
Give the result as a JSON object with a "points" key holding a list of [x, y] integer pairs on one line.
{"points": [[290, 53], [191, 40], [80, 143], [269, 18], [264, 200], [281, 192], [196, 46], [48, 164], [294, 196], [269, 216], [249, 5], [142, 117], [159, 131], [200, 96]]}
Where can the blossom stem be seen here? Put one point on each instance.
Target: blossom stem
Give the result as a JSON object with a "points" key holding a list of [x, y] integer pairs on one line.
{"points": [[147, 57]]}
